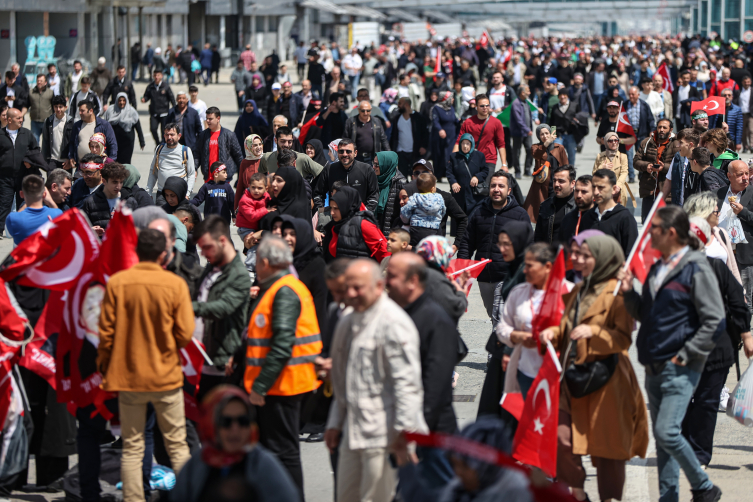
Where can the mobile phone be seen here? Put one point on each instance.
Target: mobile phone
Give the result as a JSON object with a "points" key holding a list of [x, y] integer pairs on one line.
{"points": [[554, 130]]}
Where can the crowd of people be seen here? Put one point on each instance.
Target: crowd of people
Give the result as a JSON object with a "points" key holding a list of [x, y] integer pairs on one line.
{"points": [[337, 319]]}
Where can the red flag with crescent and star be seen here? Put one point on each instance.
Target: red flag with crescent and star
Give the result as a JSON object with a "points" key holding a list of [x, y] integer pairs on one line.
{"points": [[667, 83], [535, 441], [642, 256], [624, 126], [713, 105]]}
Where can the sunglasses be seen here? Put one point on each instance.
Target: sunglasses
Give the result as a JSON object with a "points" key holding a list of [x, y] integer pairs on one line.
{"points": [[613, 141], [482, 106], [365, 111], [345, 152], [227, 422], [419, 172]]}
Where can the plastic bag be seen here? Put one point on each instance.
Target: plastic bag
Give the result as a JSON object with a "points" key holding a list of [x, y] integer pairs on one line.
{"points": [[731, 223], [740, 404]]}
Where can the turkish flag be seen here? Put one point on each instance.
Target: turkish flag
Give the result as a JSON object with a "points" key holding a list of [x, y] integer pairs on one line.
{"points": [[473, 267], [305, 128], [713, 105], [55, 256], [13, 331], [484, 40], [39, 354], [192, 361], [438, 60], [624, 126], [535, 441], [552, 306], [642, 256], [667, 84]]}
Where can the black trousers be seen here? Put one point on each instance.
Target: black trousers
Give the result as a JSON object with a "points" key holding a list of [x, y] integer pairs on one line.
{"points": [[525, 143], [156, 121], [700, 419], [405, 163], [279, 422], [648, 201], [10, 186]]}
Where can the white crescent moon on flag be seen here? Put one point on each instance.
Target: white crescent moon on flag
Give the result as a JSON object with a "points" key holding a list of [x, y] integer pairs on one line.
{"points": [[623, 119], [716, 105], [65, 274], [543, 386]]}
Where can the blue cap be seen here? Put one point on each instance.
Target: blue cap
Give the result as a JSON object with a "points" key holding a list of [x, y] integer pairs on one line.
{"points": [[440, 74], [552, 80]]}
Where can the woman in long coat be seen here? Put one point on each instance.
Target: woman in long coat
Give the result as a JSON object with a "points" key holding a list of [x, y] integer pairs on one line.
{"points": [[444, 132], [547, 156]]}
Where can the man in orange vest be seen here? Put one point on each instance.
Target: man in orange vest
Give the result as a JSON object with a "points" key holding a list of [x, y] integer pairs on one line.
{"points": [[283, 342]]}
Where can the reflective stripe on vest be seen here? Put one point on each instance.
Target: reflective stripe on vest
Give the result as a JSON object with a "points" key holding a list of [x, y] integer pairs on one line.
{"points": [[298, 375]]}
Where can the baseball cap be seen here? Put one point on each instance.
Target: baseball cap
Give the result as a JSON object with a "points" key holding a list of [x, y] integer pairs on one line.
{"points": [[440, 74], [276, 86], [613, 103], [552, 80], [426, 163]]}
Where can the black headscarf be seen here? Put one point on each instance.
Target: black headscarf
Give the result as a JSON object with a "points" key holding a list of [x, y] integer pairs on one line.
{"points": [[319, 156], [410, 188], [521, 235], [349, 203], [177, 185], [292, 199], [305, 244]]}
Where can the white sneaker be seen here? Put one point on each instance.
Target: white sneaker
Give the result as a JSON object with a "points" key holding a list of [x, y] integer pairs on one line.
{"points": [[724, 399]]}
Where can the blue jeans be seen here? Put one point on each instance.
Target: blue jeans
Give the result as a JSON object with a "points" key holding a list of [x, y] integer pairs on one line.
{"points": [[597, 101], [354, 85], [36, 129], [568, 141], [669, 394], [630, 154], [134, 71]]}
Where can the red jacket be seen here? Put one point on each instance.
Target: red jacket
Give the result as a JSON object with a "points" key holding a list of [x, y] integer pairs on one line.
{"points": [[251, 210], [373, 237], [720, 85]]}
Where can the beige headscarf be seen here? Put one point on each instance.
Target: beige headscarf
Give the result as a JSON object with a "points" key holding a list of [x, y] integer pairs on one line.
{"points": [[611, 153], [247, 146]]}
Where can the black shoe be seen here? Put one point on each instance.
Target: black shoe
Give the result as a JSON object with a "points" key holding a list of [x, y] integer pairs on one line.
{"points": [[518, 176], [315, 437], [713, 494], [632, 180], [527, 172]]}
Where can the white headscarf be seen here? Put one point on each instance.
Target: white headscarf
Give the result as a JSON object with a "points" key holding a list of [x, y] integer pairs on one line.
{"points": [[126, 117]]}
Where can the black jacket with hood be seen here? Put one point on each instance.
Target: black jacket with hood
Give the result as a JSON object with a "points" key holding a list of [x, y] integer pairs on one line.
{"points": [[177, 185], [619, 223]]}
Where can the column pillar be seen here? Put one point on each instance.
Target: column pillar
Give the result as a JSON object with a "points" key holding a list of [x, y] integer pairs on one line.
{"points": [[184, 21], [163, 28], [223, 20], [80, 42], [94, 37], [13, 48]]}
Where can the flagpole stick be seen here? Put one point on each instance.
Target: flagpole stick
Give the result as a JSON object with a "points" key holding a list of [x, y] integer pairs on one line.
{"points": [[203, 352], [649, 217]]}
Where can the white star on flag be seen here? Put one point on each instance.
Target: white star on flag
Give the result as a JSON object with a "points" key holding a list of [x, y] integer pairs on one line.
{"points": [[538, 426]]}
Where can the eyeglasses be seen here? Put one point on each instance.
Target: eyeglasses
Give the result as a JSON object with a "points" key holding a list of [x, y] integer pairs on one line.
{"points": [[227, 422]]}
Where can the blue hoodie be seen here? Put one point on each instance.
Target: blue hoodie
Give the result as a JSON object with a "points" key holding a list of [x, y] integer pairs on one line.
{"points": [[424, 210]]}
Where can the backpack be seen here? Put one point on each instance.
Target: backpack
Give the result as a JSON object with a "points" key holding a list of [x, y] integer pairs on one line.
{"points": [[155, 167]]}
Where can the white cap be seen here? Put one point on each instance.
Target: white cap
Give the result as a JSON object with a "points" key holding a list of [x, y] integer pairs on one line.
{"points": [[276, 86], [101, 60], [158, 50]]}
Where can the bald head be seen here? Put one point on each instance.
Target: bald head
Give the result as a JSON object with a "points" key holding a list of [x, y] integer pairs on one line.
{"points": [[737, 172], [168, 229], [15, 119], [406, 278], [364, 284]]}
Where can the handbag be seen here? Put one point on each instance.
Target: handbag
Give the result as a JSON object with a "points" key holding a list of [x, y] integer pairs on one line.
{"points": [[462, 350], [584, 379]]}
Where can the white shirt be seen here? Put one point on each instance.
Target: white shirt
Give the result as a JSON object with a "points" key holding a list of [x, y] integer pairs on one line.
{"points": [[54, 84], [716, 250], [13, 134], [201, 108], [655, 102], [600, 215], [497, 97], [74, 80], [682, 95], [352, 64], [405, 135], [745, 100], [58, 127], [726, 210], [403, 91], [11, 94]]}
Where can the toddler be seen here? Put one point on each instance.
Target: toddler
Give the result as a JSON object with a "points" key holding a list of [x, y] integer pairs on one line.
{"points": [[216, 194], [424, 210], [253, 205]]}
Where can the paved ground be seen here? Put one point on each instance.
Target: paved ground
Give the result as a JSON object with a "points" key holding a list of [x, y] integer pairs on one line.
{"points": [[732, 465]]}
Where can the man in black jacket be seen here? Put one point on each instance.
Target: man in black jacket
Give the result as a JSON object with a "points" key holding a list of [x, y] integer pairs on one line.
{"points": [[116, 86], [410, 135], [332, 120], [160, 95], [438, 339], [14, 93], [55, 134], [612, 218], [217, 142], [484, 225], [562, 118], [576, 222], [357, 175], [554, 209], [16, 142], [100, 206], [367, 134]]}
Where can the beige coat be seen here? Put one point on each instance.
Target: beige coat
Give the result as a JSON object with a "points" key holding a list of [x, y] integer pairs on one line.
{"points": [[620, 168], [611, 422]]}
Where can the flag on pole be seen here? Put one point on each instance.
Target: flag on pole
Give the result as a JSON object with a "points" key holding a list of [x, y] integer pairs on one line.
{"points": [[642, 256], [484, 40], [192, 361], [305, 128], [713, 105], [504, 115], [624, 126], [668, 85], [473, 267], [535, 441], [551, 308]]}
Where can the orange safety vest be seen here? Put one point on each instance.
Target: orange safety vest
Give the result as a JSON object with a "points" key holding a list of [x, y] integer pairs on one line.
{"points": [[298, 375]]}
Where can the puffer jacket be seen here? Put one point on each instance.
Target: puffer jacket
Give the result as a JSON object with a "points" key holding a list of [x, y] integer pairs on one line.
{"points": [[97, 209], [229, 152], [390, 216], [424, 210], [225, 312], [480, 237], [645, 154]]}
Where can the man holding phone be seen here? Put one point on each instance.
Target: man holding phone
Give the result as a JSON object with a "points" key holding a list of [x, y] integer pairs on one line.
{"points": [[653, 158]]}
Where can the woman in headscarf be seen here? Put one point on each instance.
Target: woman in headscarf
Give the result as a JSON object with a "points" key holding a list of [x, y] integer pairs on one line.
{"points": [[466, 170], [98, 146], [390, 181], [124, 120], [576, 274], [608, 423], [475, 480], [353, 231], [289, 193], [307, 261], [514, 328], [174, 192], [250, 122], [257, 91], [512, 240], [428, 105], [547, 156], [231, 455], [615, 161], [449, 294], [253, 145], [332, 148], [444, 130], [315, 151]]}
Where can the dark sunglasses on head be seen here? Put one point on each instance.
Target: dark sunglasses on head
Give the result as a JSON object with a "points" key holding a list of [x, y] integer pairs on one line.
{"points": [[227, 422]]}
